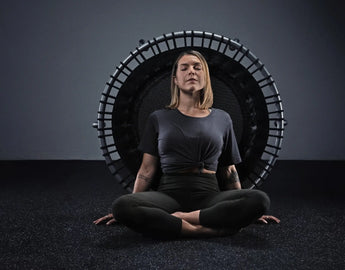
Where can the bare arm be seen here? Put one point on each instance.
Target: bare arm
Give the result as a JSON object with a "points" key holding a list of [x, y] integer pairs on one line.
{"points": [[146, 173], [232, 181], [230, 177], [142, 182]]}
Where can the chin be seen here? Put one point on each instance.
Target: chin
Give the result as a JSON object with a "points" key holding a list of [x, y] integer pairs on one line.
{"points": [[191, 90]]}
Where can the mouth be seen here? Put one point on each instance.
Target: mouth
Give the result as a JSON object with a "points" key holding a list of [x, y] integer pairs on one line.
{"points": [[191, 80]]}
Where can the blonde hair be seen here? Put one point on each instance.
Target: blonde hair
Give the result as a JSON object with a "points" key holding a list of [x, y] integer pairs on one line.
{"points": [[206, 95]]}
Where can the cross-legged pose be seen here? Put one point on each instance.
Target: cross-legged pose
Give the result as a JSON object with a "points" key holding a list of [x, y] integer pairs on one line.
{"points": [[193, 143]]}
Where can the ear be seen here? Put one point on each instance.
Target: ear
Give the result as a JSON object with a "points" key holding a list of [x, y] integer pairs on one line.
{"points": [[175, 81]]}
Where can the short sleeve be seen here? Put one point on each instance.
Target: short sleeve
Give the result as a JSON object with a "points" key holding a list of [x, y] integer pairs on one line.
{"points": [[148, 142], [230, 154]]}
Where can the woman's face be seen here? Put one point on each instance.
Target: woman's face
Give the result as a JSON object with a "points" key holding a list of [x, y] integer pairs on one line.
{"points": [[190, 74]]}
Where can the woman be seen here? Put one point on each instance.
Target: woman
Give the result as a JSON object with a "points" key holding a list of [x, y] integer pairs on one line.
{"points": [[192, 142]]}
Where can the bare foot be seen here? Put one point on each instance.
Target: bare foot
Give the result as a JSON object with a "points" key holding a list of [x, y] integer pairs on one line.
{"points": [[190, 217], [178, 215], [191, 230], [191, 226]]}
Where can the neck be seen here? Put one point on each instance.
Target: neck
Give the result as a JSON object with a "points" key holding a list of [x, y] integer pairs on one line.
{"points": [[189, 101], [189, 105]]}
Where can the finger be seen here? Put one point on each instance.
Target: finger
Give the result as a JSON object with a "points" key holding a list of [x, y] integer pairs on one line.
{"points": [[103, 219], [264, 220], [277, 220], [96, 221], [100, 220], [111, 221], [273, 218]]}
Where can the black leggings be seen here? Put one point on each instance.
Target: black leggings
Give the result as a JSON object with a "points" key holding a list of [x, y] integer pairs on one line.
{"points": [[150, 212]]}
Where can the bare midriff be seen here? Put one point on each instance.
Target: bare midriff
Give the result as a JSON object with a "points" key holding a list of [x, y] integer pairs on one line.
{"points": [[196, 170]]}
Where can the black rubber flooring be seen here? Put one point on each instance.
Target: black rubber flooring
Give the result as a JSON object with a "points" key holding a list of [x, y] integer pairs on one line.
{"points": [[47, 209]]}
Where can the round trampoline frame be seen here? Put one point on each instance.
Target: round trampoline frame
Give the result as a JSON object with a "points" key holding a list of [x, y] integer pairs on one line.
{"points": [[231, 49]]}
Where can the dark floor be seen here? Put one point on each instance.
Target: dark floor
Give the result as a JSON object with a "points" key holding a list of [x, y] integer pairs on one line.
{"points": [[47, 209]]}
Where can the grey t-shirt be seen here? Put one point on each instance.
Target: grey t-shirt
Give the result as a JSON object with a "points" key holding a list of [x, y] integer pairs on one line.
{"points": [[182, 141]]}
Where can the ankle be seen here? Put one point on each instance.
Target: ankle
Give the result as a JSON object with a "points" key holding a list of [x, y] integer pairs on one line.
{"points": [[190, 217], [178, 215], [192, 230]]}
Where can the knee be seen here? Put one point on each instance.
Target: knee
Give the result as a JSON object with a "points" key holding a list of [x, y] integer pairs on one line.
{"points": [[261, 201], [122, 207]]}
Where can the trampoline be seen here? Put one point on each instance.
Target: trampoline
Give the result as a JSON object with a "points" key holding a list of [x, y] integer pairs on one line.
{"points": [[242, 86]]}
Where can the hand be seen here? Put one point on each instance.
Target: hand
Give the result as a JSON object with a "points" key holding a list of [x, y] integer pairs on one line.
{"points": [[109, 219], [267, 219]]}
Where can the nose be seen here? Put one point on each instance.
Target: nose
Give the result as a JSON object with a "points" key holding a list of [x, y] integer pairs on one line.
{"points": [[191, 70]]}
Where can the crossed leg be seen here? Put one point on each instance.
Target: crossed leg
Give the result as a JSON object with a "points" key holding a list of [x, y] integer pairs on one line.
{"points": [[157, 214], [152, 213], [227, 212], [148, 213]]}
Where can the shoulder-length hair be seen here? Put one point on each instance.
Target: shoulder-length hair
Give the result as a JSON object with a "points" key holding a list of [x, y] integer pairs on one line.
{"points": [[206, 94]]}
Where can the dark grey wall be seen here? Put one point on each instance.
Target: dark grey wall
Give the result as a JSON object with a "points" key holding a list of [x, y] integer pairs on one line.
{"points": [[57, 55]]}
